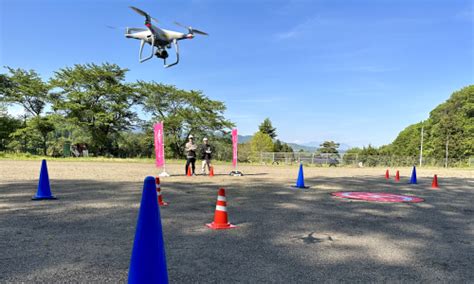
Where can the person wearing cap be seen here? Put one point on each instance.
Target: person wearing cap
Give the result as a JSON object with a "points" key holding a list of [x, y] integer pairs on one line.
{"points": [[205, 151], [190, 149]]}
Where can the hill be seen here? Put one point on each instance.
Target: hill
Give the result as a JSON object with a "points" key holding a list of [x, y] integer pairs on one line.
{"points": [[450, 123]]}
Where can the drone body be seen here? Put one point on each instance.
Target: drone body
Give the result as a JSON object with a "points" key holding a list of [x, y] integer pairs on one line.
{"points": [[159, 39]]}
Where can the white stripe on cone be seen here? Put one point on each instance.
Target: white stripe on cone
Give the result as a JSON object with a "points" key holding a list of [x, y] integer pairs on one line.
{"points": [[221, 198], [221, 208]]}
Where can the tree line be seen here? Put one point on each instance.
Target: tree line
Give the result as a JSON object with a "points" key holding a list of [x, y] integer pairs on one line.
{"points": [[92, 105], [448, 132]]}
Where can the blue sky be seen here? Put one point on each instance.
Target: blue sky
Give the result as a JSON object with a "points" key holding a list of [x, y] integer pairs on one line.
{"points": [[356, 72]]}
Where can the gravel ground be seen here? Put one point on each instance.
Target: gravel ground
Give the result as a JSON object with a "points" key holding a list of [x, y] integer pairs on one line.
{"points": [[283, 235]]}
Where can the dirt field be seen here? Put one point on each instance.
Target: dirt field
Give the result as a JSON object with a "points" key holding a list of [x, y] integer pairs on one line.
{"points": [[283, 235]]}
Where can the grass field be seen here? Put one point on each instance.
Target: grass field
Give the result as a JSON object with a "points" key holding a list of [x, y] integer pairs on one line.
{"points": [[283, 235]]}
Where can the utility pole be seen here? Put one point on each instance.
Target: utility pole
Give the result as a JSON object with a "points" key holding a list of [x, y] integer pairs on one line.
{"points": [[421, 144]]}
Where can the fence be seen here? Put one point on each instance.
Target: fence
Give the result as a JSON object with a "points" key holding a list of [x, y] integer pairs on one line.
{"points": [[357, 160]]}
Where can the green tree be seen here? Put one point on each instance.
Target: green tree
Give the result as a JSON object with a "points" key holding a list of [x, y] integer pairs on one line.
{"points": [[261, 142], [369, 156], [95, 98], [183, 113], [8, 125], [245, 153], [27, 89], [267, 128], [132, 144], [44, 126], [277, 146], [5, 85], [24, 88], [351, 156], [286, 148], [451, 121], [329, 147]]}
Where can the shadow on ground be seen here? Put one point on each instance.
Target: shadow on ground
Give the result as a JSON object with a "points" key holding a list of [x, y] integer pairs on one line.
{"points": [[283, 235]]}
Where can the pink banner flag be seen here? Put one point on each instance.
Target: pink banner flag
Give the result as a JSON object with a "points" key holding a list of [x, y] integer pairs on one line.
{"points": [[234, 147], [159, 144]]}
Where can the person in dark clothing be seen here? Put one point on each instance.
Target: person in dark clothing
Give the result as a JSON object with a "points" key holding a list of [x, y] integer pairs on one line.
{"points": [[190, 150], [206, 155]]}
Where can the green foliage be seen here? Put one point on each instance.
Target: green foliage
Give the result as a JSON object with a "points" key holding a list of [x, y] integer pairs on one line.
{"points": [[281, 147], [8, 125], [93, 105], [261, 142], [369, 156], [24, 88], [33, 137], [138, 145], [5, 85], [286, 148], [245, 153], [267, 128], [351, 156], [329, 147], [95, 98], [222, 147], [43, 126], [451, 121], [183, 113]]}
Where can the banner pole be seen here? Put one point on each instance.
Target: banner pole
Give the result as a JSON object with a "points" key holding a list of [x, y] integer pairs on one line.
{"points": [[235, 143], [163, 173]]}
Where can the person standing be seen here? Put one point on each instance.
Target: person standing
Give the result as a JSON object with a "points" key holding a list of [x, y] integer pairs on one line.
{"points": [[206, 155], [190, 149]]}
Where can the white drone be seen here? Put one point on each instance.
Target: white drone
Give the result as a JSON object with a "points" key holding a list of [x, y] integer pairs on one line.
{"points": [[159, 39]]}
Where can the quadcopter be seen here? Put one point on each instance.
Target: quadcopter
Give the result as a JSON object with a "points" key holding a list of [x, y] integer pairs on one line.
{"points": [[159, 39]]}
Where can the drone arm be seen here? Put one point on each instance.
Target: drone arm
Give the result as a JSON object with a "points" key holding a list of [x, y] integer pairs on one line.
{"points": [[142, 44], [176, 46]]}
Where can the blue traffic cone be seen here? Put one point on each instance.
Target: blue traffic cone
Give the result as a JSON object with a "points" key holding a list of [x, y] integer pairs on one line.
{"points": [[148, 262], [300, 181], [44, 189], [413, 176]]}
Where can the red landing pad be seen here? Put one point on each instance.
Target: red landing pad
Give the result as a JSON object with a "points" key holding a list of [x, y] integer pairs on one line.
{"points": [[377, 196]]}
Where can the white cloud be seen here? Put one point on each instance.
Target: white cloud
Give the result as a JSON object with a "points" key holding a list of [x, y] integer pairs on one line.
{"points": [[305, 27]]}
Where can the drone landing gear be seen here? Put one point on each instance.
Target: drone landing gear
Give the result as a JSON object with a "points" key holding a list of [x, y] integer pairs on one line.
{"points": [[142, 44], [176, 47]]}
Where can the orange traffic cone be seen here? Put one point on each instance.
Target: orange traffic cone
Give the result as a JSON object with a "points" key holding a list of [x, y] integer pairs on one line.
{"points": [[211, 172], [397, 176], [158, 191], [387, 175], [220, 215], [434, 184], [189, 171]]}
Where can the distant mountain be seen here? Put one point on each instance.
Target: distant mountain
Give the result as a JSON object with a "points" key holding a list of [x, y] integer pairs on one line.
{"points": [[297, 147], [307, 147], [244, 138]]}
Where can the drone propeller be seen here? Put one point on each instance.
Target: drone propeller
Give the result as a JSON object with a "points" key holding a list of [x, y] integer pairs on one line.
{"points": [[191, 30], [148, 18]]}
